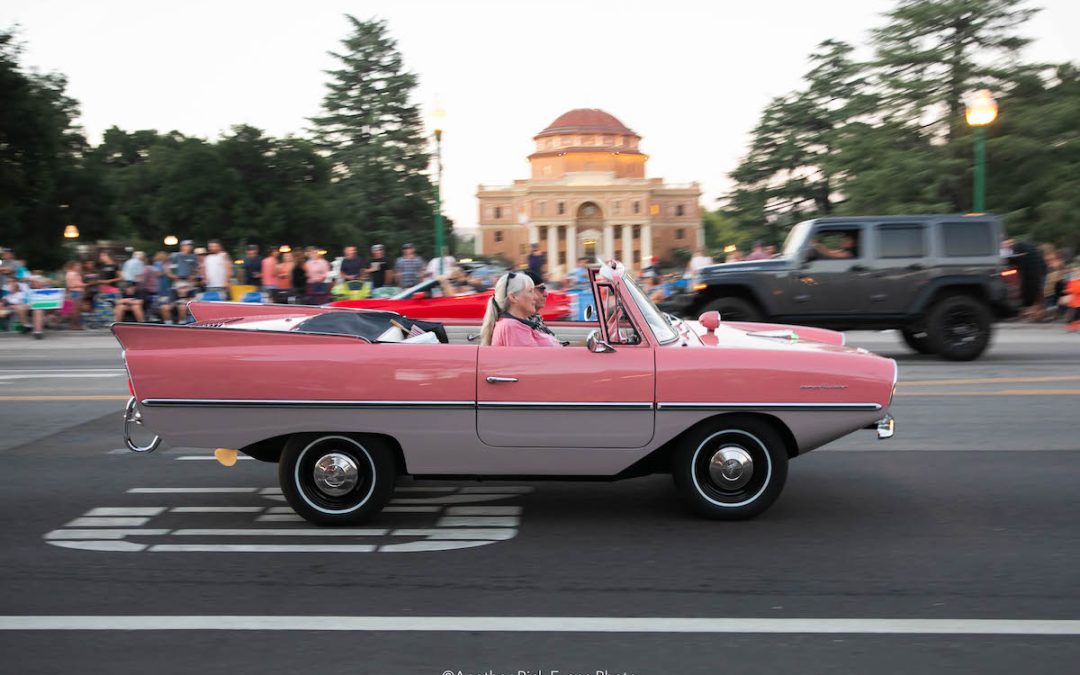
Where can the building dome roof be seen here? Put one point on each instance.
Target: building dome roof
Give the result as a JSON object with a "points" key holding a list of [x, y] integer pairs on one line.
{"points": [[586, 120]]}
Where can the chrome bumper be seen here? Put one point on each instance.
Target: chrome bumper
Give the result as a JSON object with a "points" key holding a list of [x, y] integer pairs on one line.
{"points": [[886, 427]]}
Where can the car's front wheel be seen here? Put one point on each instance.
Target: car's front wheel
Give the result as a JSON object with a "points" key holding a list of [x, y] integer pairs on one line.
{"points": [[731, 469], [336, 479]]}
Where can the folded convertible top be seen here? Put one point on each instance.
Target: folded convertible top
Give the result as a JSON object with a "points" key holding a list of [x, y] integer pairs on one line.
{"points": [[369, 325]]}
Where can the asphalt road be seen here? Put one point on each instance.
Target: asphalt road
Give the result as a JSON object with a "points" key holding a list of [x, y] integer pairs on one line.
{"points": [[952, 547]]}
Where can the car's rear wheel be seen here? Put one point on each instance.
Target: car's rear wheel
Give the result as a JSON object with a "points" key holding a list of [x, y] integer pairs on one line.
{"points": [[918, 340], [731, 469], [958, 328], [336, 479], [733, 309]]}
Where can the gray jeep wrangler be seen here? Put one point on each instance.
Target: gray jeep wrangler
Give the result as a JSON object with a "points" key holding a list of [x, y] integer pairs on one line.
{"points": [[938, 279]]}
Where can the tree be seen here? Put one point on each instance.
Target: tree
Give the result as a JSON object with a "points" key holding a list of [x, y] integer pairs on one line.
{"points": [[374, 139], [39, 149]]}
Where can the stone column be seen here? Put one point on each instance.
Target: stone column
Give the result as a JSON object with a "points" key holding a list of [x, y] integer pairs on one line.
{"points": [[571, 247], [628, 246], [534, 234], [478, 241], [609, 242], [552, 249], [646, 243]]}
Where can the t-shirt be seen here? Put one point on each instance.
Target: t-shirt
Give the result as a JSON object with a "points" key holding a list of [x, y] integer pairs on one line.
{"points": [[316, 269], [164, 282], [269, 271], [253, 270], [217, 269], [108, 272], [514, 333], [132, 269], [378, 272], [184, 264], [352, 267], [448, 265]]}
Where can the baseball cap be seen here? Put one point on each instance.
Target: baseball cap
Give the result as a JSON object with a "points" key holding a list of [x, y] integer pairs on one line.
{"points": [[187, 242], [535, 276], [407, 245], [377, 247]]}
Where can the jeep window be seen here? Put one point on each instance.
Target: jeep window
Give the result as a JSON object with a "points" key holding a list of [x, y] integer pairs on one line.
{"points": [[970, 238], [836, 244], [901, 241]]}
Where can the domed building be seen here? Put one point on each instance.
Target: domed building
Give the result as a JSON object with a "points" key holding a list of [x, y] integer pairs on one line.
{"points": [[588, 195]]}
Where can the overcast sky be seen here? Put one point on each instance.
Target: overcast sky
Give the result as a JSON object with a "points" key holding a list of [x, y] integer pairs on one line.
{"points": [[691, 77]]}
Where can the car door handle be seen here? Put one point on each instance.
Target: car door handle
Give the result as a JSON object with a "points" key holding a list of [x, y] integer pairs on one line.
{"points": [[496, 380], [915, 267]]}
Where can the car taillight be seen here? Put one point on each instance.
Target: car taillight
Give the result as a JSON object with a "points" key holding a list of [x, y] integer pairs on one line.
{"points": [[1009, 272]]}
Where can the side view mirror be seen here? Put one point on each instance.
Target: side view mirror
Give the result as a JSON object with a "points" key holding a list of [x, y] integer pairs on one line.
{"points": [[419, 295], [710, 320], [596, 345], [590, 312]]}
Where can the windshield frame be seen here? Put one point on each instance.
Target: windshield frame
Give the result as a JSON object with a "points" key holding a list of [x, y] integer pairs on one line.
{"points": [[796, 239], [408, 292], [654, 318]]}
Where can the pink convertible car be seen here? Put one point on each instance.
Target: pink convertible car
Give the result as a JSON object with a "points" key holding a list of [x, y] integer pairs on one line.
{"points": [[346, 401]]}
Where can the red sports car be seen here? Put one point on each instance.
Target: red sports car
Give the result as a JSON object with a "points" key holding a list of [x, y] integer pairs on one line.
{"points": [[427, 301]]}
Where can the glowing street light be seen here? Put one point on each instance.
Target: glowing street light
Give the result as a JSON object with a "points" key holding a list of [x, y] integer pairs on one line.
{"points": [[981, 111], [171, 240], [71, 232]]}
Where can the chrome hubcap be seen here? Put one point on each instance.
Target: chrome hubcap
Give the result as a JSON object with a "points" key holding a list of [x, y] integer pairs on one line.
{"points": [[731, 467], [336, 474]]}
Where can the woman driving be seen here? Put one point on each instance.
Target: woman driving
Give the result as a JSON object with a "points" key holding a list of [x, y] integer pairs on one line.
{"points": [[507, 320]]}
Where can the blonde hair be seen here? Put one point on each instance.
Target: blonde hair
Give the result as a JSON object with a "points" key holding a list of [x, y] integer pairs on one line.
{"points": [[511, 283]]}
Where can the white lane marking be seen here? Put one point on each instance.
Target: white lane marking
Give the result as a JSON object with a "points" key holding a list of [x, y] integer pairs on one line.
{"points": [[107, 522], [104, 534], [280, 518], [425, 489], [270, 491], [293, 532], [478, 521], [216, 509], [430, 545], [125, 546], [207, 457], [412, 509], [162, 491], [126, 511], [263, 548], [483, 511], [550, 624], [495, 534]]}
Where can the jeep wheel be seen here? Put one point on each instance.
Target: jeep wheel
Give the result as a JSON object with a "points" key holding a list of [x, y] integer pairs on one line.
{"points": [[918, 340], [958, 328], [733, 309]]}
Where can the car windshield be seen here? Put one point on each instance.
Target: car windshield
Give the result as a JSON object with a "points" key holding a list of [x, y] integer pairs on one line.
{"points": [[796, 238], [659, 323], [407, 294]]}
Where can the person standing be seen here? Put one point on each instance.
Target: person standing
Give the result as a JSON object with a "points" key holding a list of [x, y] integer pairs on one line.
{"points": [[217, 269], [449, 264], [352, 265], [316, 270], [73, 281], [376, 271], [580, 275], [696, 263], [536, 260], [268, 273], [408, 268], [284, 275], [758, 252], [253, 267], [108, 273], [133, 267], [182, 269]]}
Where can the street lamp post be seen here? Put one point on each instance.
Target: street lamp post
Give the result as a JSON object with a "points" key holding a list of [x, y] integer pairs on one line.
{"points": [[981, 111], [437, 117]]}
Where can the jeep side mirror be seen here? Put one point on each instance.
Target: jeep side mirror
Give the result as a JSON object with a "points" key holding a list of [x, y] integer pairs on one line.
{"points": [[596, 345]]}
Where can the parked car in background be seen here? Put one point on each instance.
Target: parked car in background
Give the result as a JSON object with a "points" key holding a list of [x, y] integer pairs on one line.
{"points": [[345, 403], [429, 300], [938, 279]]}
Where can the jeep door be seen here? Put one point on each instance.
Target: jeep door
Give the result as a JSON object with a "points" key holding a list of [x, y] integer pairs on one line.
{"points": [[899, 267], [830, 282]]}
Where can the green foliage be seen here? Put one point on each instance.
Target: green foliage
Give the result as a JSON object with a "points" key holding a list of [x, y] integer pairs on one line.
{"points": [[888, 136], [374, 139]]}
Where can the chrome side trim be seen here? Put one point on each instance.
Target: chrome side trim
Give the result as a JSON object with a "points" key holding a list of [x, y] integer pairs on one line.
{"points": [[269, 403], [561, 405], [821, 407]]}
